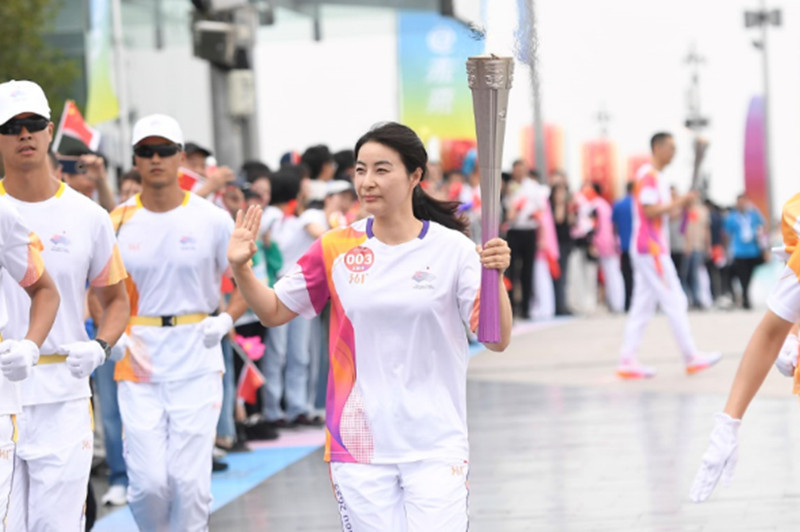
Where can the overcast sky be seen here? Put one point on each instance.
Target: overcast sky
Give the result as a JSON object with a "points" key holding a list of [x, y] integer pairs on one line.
{"points": [[628, 56]]}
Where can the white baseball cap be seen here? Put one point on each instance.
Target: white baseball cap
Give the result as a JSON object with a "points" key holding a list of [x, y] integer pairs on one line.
{"points": [[337, 186], [17, 97], [317, 190], [157, 126]]}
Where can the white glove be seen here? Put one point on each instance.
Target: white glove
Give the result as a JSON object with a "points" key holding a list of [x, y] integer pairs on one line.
{"points": [[118, 349], [17, 358], [787, 358], [83, 357], [215, 327], [720, 458]]}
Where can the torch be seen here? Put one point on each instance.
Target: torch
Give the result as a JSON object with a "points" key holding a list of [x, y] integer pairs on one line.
{"points": [[490, 79]]}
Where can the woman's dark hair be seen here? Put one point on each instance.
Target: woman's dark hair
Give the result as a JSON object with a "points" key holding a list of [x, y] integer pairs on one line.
{"points": [[285, 185], [315, 158], [412, 152], [554, 190], [252, 170]]}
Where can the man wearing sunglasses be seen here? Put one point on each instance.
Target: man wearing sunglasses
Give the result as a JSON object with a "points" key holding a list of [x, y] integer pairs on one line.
{"points": [[55, 443], [174, 245]]}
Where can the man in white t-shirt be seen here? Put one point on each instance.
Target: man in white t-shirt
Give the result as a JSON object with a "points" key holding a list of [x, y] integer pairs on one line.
{"points": [[21, 259], [54, 448], [656, 282], [174, 247]]}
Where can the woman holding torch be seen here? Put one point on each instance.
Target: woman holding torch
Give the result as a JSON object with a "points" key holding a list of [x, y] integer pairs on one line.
{"points": [[404, 284]]}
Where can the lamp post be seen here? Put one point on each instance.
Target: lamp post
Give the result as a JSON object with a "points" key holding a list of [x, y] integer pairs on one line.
{"points": [[763, 18], [695, 121]]}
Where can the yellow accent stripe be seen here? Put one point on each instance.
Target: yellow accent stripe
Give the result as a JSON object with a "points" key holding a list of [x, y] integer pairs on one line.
{"points": [[61, 187], [186, 199], [139, 200], [45, 360], [91, 413], [155, 321], [15, 432]]}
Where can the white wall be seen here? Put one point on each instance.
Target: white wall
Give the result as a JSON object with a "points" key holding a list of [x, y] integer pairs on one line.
{"points": [[326, 92], [174, 82]]}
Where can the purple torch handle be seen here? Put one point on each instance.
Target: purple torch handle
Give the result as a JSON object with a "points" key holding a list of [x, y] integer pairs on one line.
{"points": [[490, 78]]}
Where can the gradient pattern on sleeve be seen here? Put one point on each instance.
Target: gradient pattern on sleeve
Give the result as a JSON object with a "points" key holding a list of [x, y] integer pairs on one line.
{"points": [[648, 236], [35, 262]]}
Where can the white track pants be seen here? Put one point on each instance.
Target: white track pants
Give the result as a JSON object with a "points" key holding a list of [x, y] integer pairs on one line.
{"points": [[651, 290], [169, 432], [51, 469], [7, 445], [544, 304], [582, 279], [425, 496], [615, 284]]}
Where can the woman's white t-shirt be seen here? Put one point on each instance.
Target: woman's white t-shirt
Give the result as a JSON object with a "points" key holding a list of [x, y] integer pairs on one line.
{"points": [[398, 342]]}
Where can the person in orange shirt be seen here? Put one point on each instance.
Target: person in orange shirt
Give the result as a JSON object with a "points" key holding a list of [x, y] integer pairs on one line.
{"points": [[765, 347]]}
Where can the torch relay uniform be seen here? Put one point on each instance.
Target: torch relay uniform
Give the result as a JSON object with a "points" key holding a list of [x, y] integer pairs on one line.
{"points": [[170, 385], [21, 261], [55, 441], [396, 405], [784, 300], [656, 283]]}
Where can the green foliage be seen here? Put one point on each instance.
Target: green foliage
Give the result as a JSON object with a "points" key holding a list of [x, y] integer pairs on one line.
{"points": [[24, 52]]}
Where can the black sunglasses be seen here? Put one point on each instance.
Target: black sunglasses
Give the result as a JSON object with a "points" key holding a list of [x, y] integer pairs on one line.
{"points": [[32, 124], [163, 150]]}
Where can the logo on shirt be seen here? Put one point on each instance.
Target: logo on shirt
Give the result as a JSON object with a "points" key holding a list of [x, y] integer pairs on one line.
{"points": [[359, 259], [188, 243], [423, 280], [60, 243]]}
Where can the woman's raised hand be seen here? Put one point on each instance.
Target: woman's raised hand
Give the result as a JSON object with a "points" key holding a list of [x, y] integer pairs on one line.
{"points": [[242, 245]]}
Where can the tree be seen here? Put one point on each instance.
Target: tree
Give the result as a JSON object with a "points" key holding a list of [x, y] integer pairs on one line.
{"points": [[25, 51]]}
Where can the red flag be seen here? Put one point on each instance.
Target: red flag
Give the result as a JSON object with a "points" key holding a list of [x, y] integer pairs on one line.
{"points": [[73, 125], [250, 381], [187, 179]]}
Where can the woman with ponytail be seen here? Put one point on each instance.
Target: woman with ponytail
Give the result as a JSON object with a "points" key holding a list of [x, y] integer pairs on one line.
{"points": [[403, 284]]}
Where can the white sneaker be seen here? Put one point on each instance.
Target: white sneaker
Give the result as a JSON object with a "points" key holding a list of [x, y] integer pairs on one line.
{"points": [[115, 496], [632, 369], [218, 454], [702, 361]]}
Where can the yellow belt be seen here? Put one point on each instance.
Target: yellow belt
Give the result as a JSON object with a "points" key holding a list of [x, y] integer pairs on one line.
{"points": [[51, 359], [167, 321]]}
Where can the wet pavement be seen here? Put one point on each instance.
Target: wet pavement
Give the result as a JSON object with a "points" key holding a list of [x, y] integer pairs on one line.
{"points": [[559, 443]]}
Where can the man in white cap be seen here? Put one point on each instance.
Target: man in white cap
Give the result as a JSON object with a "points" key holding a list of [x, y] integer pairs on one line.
{"points": [[55, 441], [174, 245], [20, 258]]}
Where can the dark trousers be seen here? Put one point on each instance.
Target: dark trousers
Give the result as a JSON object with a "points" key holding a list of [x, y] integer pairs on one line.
{"points": [[715, 276], [627, 276], [742, 269], [560, 284], [523, 253]]}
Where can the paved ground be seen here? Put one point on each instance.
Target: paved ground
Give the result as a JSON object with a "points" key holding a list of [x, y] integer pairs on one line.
{"points": [[558, 443]]}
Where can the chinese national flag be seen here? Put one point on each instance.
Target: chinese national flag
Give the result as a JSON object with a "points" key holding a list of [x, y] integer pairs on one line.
{"points": [[73, 125], [249, 382], [188, 180]]}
